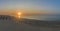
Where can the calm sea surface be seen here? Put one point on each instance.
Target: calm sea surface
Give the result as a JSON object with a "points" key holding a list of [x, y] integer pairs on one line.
{"points": [[44, 17]]}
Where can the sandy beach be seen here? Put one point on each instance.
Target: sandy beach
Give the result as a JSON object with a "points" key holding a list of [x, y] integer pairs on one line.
{"points": [[24, 24]]}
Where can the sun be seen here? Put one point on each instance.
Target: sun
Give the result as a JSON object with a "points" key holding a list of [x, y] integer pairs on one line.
{"points": [[19, 14]]}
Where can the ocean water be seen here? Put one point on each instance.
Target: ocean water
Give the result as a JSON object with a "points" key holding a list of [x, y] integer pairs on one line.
{"points": [[44, 17]]}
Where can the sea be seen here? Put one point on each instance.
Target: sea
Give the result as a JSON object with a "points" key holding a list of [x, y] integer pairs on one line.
{"points": [[44, 17]]}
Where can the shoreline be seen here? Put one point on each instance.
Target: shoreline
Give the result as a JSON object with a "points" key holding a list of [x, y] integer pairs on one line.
{"points": [[24, 24], [41, 23]]}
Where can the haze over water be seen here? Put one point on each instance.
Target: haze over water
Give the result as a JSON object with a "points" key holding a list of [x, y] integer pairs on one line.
{"points": [[44, 17]]}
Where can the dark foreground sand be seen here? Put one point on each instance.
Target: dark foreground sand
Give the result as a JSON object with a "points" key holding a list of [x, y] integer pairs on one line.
{"points": [[28, 25]]}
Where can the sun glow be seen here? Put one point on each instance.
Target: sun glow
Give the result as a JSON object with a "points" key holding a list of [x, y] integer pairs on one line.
{"points": [[19, 14]]}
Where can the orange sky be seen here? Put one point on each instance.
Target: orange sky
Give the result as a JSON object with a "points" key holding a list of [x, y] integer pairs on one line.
{"points": [[24, 13]]}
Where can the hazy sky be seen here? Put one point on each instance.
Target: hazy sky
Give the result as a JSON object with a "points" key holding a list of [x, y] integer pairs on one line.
{"points": [[51, 6]]}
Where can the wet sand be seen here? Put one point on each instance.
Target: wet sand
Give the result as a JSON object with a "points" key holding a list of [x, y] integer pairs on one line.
{"points": [[23, 24]]}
